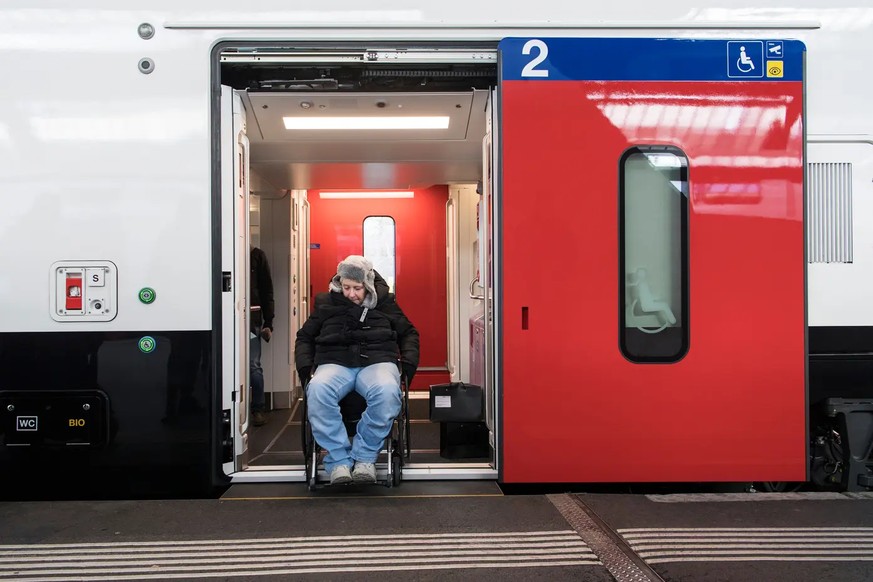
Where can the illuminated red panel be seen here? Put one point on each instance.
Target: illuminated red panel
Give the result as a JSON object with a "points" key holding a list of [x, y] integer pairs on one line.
{"points": [[337, 230]]}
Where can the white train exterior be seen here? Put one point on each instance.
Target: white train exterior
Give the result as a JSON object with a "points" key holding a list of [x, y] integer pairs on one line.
{"points": [[115, 174]]}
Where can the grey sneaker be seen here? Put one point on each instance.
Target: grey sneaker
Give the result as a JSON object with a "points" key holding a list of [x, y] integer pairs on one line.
{"points": [[340, 474], [364, 473]]}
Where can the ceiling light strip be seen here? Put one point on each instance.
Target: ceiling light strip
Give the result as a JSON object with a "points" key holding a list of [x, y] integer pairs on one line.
{"points": [[350, 123], [366, 195]]}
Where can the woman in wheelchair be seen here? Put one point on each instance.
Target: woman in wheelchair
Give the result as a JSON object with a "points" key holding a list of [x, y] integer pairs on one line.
{"points": [[356, 339]]}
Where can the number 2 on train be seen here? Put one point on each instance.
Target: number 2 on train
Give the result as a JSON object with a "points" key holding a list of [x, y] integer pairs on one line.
{"points": [[530, 69]]}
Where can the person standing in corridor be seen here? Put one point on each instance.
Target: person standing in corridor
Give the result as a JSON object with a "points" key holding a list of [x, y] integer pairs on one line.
{"points": [[262, 311]]}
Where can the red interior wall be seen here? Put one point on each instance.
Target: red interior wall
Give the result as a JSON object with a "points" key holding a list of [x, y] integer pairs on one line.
{"points": [[574, 409], [336, 231]]}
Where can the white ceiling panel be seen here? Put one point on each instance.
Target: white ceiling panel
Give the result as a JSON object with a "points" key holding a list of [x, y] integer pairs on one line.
{"points": [[269, 109], [367, 159]]}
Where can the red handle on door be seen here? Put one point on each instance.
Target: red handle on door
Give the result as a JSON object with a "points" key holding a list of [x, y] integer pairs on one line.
{"points": [[74, 293]]}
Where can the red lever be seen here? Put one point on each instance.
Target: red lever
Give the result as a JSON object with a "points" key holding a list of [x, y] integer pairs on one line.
{"points": [[74, 292]]}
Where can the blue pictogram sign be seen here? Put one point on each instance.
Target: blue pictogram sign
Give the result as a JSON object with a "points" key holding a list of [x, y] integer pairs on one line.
{"points": [[745, 59], [650, 59], [775, 49]]}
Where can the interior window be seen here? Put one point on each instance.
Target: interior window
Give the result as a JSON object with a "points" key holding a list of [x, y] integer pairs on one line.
{"points": [[654, 254], [379, 246]]}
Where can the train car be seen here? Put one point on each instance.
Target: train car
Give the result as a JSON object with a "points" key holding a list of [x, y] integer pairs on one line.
{"points": [[637, 230]]}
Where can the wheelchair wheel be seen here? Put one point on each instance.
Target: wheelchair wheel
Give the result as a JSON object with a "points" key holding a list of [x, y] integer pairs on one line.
{"points": [[305, 433], [391, 450], [310, 451], [310, 455], [405, 441], [312, 468], [397, 473]]}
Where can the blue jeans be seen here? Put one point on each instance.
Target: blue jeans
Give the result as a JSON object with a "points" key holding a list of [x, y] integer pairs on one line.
{"points": [[256, 373], [379, 384]]}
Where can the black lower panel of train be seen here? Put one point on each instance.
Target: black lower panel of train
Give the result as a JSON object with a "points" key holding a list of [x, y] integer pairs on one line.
{"points": [[94, 415], [103, 415]]}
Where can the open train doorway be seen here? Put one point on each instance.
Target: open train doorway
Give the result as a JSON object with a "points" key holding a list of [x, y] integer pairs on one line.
{"points": [[383, 152]]}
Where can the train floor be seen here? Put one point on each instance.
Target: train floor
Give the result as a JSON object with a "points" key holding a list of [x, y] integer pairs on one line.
{"points": [[279, 441], [443, 531]]}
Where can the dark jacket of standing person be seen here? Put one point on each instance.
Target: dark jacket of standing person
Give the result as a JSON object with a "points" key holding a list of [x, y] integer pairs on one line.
{"points": [[261, 290]]}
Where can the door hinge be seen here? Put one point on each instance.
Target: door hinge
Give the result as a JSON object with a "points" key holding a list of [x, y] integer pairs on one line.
{"points": [[226, 279]]}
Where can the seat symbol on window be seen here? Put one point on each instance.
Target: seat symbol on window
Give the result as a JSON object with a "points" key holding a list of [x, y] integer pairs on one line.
{"points": [[647, 302]]}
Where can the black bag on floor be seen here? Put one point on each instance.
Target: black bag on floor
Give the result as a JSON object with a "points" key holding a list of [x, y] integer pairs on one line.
{"points": [[456, 402], [464, 440]]}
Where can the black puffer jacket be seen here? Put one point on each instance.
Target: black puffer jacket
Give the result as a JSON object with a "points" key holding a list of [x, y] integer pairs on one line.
{"points": [[339, 332]]}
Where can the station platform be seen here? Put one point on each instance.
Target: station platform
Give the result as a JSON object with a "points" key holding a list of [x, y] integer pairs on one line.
{"points": [[442, 531]]}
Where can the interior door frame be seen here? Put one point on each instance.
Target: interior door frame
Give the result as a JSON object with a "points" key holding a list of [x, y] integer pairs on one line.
{"points": [[235, 241]]}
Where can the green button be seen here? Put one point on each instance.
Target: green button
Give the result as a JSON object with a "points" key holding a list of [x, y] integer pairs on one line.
{"points": [[147, 295], [147, 344]]}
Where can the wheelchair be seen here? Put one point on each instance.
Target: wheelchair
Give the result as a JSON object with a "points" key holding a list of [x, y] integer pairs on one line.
{"points": [[397, 445]]}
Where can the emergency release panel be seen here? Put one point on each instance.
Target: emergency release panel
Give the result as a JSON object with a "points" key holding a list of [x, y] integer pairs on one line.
{"points": [[652, 315], [84, 291]]}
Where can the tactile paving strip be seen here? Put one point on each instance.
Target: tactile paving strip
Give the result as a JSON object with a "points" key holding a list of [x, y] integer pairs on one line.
{"points": [[616, 556]]}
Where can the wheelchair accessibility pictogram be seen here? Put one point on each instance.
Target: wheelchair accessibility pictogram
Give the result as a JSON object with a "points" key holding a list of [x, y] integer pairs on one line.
{"points": [[745, 59], [744, 63], [147, 344]]}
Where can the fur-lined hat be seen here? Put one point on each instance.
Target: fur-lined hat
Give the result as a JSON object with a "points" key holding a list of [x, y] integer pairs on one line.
{"points": [[356, 268]]}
